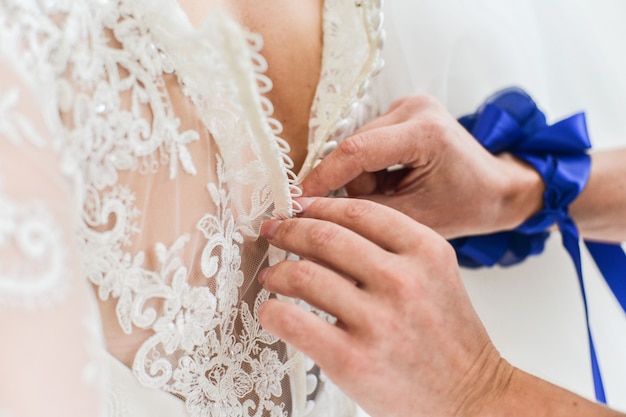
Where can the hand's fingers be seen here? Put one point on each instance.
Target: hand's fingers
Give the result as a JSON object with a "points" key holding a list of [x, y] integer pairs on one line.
{"points": [[320, 287], [390, 139], [367, 151], [325, 344], [382, 225], [331, 245]]}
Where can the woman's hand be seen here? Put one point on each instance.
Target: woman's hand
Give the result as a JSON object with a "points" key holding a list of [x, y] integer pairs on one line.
{"points": [[407, 341], [449, 181]]}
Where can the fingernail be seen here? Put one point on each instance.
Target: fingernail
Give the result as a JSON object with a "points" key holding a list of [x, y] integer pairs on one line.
{"points": [[263, 275], [269, 227], [305, 202]]}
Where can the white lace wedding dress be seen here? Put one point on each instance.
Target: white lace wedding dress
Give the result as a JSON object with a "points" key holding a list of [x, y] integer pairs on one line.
{"points": [[138, 154]]}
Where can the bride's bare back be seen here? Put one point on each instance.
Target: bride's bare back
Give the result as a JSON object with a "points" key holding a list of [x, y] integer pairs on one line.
{"points": [[292, 35]]}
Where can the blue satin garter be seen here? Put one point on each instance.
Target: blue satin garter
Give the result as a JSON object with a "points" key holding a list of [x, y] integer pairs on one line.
{"points": [[510, 121]]}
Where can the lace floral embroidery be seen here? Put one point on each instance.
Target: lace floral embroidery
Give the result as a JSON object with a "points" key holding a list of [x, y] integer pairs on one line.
{"points": [[197, 351], [111, 60], [199, 327], [343, 100]]}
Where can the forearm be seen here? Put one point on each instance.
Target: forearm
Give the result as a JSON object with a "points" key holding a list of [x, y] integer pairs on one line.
{"points": [[528, 395], [600, 210]]}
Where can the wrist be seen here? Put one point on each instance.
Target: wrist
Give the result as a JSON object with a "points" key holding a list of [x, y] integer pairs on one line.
{"points": [[528, 395], [488, 388], [521, 193]]}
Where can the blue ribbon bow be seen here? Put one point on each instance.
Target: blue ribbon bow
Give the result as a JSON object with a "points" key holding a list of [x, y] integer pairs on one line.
{"points": [[510, 121]]}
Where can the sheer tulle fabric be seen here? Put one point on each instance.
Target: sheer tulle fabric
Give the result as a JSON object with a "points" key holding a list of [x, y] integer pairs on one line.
{"points": [[155, 161]]}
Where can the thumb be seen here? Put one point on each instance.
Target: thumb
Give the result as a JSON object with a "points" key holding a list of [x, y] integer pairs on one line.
{"points": [[364, 152], [343, 165]]}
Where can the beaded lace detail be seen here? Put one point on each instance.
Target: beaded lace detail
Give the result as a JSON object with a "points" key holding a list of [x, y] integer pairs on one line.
{"points": [[344, 99], [166, 140]]}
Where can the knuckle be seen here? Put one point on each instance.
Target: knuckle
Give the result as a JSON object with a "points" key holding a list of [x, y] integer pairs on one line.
{"points": [[322, 235], [272, 316], [417, 239], [388, 270], [287, 228], [433, 127], [290, 326], [396, 278], [267, 312], [427, 244], [354, 362], [397, 103], [419, 102], [440, 250], [353, 146], [358, 209], [302, 273], [430, 101]]}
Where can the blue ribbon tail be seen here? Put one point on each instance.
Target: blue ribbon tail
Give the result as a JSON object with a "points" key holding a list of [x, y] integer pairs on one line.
{"points": [[598, 385], [611, 261], [571, 243]]}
